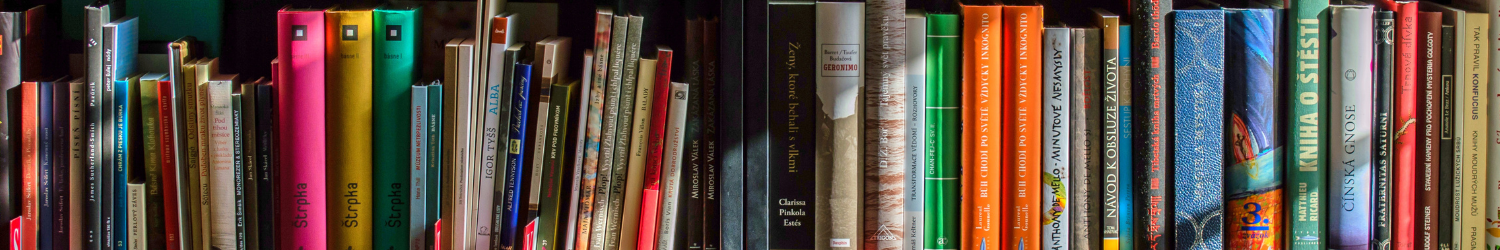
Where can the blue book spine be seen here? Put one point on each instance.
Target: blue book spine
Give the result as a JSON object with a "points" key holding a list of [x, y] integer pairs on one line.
{"points": [[1199, 121], [434, 162], [516, 148], [1127, 239], [44, 165], [124, 50], [1253, 180], [419, 167], [62, 142]]}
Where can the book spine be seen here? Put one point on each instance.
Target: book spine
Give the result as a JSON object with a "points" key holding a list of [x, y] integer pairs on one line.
{"points": [[60, 165], [1350, 133], [1447, 179], [1086, 190], [621, 159], [265, 97], [205, 157], [608, 136], [152, 140], [1150, 154], [655, 147], [535, 170], [1022, 32], [241, 235], [552, 206], [1056, 111], [729, 70], [1385, 23], [790, 206], [1252, 183], [349, 109], [249, 160], [123, 109], [603, 27], [916, 133], [630, 232], [1114, 160], [712, 138], [45, 161], [137, 215], [692, 203], [221, 166], [886, 135], [169, 171], [839, 119], [1305, 119], [394, 70], [941, 219], [1492, 192], [1473, 130], [435, 166], [193, 160], [1429, 111], [493, 147], [587, 96], [419, 168], [672, 168], [112, 192], [1408, 99], [1125, 183], [29, 160], [98, 206], [983, 223], [302, 222], [1198, 115], [519, 117], [76, 138]]}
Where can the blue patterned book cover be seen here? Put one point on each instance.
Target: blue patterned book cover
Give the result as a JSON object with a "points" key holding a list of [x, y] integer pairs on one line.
{"points": [[1253, 180], [1127, 241], [1199, 121]]}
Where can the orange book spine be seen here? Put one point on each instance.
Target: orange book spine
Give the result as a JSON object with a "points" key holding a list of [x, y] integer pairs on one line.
{"points": [[29, 165], [981, 223], [1023, 96]]}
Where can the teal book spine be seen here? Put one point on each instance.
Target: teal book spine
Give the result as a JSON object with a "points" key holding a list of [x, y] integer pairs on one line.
{"points": [[1308, 92], [419, 167], [394, 67], [1127, 184], [120, 48], [943, 117], [434, 163]]}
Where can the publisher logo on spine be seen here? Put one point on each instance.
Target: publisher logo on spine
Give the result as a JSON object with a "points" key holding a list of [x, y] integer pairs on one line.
{"points": [[299, 32], [840, 60], [350, 32], [393, 32]]}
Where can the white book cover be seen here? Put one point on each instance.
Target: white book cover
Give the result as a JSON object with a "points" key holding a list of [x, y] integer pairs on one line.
{"points": [[221, 164], [465, 173], [916, 83], [840, 53], [671, 172], [1352, 108], [418, 168], [1056, 144]]}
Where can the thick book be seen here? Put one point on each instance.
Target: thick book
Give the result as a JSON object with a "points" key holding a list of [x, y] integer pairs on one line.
{"points": [[672, 167], [553, 204], [1085, 192], [1022, 106], [418, 169], [1151, 143], [393, 64], [1351, 40], [1115, 173], [1307, 147], [170, 174], [886, 135], [728, 67], [1470, 146], [840, 80], [119, 62], [1405, 155], [300, 108], [942, 194], [1198, 116], [984, 188], [635, 179], [915, 133], [620, 161], [1252, 180], [655, 140], [545, 75], [608, 135], [789, 204], [265, 137], [1429, 123], [1385, 50], [349, 109], [1057, 108], [152, 163], [222, 188], [1492, 8], [491, 148], [101, 202]]}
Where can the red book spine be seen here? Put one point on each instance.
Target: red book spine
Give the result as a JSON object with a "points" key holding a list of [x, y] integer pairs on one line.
{"points": [[29, 159], [302, 219], [1408, 98], [651, 193], [168, 165]]}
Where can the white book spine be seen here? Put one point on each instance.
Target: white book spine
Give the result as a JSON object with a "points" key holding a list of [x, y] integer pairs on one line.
{"points": [[671, 173], [221, 167], [137, 213], [490, 154], [1057, 119], [916, 82], [462, 225], [840, 54], [1350, 100], [418, 168]]}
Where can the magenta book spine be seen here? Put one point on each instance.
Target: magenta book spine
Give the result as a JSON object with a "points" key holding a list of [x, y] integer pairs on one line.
{"points": [[300, 48]]}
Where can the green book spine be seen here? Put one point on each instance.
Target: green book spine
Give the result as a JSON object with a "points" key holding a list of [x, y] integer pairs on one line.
{"points": [[943, 117], [395, 47], [554, 167], [434, 164], [1305, 124]]}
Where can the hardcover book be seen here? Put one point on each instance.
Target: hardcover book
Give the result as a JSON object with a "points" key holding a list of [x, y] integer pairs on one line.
{"points": [[1385, 47], [839, 123], [1429, 123], [1149, 148], [1351, 37], [1022, 105], [248, 163], [1085, 179], [790, 207], [943, 132], [1114, 172], [152, 163], [713, 148], [1405, 155], [520, 116], [349, 88], [171, 175], [1198, 117], [672, 166], [1446, 181], [886, 135], [1252, 182], [1305, 119], [981, 221], [1057, 127], [265, 109], [916, 133], [1470, 227], [690, 214], [302, 224], [393, 63], [222, 192]]}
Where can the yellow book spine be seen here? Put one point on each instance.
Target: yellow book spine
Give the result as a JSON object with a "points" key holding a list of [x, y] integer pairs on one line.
{"points": [[349, 99]]}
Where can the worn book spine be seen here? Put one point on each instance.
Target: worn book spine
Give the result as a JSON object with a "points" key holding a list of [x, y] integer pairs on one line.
{"points": [[1198, 116], [789, 202], [838, 111], [1057, 109], [1405, 155], [1385, 50], [941, 210], [1086, 183], [1022, 105], [916, 133], [265, 108], [886, 106], [982, 223], [1252, 182], [1473, 132], [302, 224], [1429, 111], [418, 168], [1306, 117], [1150, 155], [1112, 170], [151, 124], [672, 167], [655, 145], [393, 67], [608, 136], [598, 93], [350, 111], [1350, 137]]}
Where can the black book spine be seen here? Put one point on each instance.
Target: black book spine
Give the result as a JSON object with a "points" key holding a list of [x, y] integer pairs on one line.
{"points": [[106, 143], [265, 124], [45, 185], [690, 220], [249, 165], [61, 183], [792, 127], [731, 153], [755, 79], [1385, 48], [1151, 156], [710, 136], [1445, 186]]}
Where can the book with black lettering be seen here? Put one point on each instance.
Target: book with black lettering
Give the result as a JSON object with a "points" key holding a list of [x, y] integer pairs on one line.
{"points": [[692, 169], [1149, 80], [790, 174], [1385, 50]]}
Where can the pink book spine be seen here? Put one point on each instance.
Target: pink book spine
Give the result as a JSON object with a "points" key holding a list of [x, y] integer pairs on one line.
{"points": [[651, 195], [300, 104], [650, 205]]}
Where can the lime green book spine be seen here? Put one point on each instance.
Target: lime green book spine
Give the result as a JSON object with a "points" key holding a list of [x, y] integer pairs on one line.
{"points": [[943, 116], [1308, 116], [349, 114], [394, 68]]}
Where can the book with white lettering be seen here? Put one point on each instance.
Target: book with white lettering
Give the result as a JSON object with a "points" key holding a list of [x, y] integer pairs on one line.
{"points": [[671, 175]]}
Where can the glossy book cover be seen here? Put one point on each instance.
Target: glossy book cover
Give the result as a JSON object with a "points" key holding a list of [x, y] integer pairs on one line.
{"points": [[1252, 182]]}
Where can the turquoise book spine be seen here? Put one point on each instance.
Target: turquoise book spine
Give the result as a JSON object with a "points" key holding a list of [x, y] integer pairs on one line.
{"points": [[394, 67]]}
